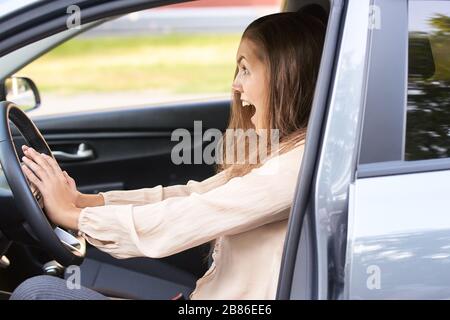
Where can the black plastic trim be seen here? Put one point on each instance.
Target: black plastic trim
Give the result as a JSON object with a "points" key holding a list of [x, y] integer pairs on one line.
{"points": [[390, 168], [103, 135], [384, 119]]}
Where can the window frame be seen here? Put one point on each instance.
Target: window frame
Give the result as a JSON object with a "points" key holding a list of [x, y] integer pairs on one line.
{"points": [[386, 109], [388, 155]]}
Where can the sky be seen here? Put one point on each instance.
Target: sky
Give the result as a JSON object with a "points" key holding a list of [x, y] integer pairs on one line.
{"points": [[421, 11]]}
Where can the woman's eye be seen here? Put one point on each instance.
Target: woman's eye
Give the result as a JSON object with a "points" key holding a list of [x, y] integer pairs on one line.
{"points": [[244, 71]]}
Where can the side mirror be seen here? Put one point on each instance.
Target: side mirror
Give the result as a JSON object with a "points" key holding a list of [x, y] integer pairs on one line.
{"points": [[22, 91]]}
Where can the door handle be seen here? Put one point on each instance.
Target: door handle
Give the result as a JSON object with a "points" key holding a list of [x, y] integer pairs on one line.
{"points": [[83, 153]]}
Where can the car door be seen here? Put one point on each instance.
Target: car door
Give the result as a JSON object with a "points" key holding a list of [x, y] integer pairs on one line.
{"points": [[398, 239]]}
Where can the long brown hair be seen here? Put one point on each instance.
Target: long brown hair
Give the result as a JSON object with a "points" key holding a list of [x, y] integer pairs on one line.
{"points": [[290, 45]]}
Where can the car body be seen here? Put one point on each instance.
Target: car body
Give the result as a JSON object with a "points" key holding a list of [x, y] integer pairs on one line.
{"points": [[367, 222]]}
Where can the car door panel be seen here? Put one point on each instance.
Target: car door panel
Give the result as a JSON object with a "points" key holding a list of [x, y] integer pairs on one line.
{"points": [[398, 240]]}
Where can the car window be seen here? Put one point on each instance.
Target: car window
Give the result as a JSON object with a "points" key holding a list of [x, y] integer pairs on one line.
{"points": [[176, 53], [428, 109]]}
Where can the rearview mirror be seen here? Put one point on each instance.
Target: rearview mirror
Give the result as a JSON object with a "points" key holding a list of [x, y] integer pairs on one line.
{"points": [[22, 91]]}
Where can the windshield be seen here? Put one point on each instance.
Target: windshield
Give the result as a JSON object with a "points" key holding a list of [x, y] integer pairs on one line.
{"points": [[8, 6]]}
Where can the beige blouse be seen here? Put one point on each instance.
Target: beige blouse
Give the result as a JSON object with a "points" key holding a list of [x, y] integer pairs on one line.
{"points": [[247, 216]]}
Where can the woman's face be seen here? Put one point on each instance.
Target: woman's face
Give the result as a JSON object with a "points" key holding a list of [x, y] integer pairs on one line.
{"points": [[252, 82]]}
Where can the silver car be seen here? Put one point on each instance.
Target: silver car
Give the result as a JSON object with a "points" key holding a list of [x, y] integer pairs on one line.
{"points": [[369, 217]]}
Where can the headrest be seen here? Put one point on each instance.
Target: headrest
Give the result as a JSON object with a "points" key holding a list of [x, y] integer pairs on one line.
{"points": [[420, 56]]}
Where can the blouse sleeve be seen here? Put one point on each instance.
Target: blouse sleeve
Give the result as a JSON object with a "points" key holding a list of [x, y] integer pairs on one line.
{"points": [[175, 224], [159, 193]]}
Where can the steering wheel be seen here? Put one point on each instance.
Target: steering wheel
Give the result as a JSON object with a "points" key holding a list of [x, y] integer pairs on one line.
{"points": [[64, 246]]}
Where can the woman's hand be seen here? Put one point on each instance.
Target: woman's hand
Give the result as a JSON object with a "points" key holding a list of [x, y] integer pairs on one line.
{"points": [[74, 193], [58, 189]]}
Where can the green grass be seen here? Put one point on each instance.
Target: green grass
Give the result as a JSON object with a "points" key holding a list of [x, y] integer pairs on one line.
{"points": [[176, 63]]}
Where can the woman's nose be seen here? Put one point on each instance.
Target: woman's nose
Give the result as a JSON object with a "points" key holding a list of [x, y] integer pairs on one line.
{"points": [[236, 87]]}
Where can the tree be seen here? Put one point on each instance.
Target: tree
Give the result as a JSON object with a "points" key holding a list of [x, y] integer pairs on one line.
{"points": [[428, 115]]}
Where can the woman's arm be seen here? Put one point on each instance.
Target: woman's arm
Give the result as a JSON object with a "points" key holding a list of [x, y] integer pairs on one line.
{"points": [[178, 223], [148, 195], [144, 195], [155, 194], [89, 200], [62, 200]]}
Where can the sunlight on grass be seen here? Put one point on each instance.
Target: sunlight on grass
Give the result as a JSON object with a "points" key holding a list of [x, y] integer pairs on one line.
{"points": [[176, 63]]}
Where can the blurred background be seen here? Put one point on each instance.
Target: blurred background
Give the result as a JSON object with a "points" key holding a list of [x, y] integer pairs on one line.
{"points": [[179, 52]]}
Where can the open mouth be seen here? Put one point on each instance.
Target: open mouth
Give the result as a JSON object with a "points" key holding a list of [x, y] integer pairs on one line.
{"points": [[245, 103], [249, 106], [252, 109]]}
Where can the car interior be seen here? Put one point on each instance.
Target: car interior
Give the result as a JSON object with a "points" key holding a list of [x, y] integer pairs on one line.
{"points": [[131, 149]]}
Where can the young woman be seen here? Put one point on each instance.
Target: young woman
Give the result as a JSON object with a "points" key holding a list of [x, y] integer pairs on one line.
{"points": [[244, 208]]}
